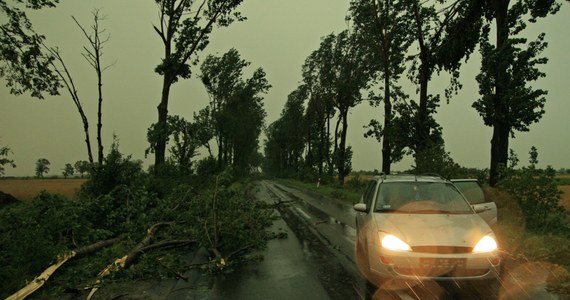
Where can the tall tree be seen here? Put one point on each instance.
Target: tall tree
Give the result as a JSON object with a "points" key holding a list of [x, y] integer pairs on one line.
{"points": [[386, 35], [221, 76], [42, 167], [342, 74], [184, 29], [286, 136], [507, 103], [185, 137], [67, 170], [4, 160], [82, 167], [28, 64], [320, 110], [444, 33], [93, 55], [236, 108], [23, 63]]}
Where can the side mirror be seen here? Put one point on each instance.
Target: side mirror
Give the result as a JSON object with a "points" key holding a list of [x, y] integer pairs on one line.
{"points": [[360, 207], [480, 209]]}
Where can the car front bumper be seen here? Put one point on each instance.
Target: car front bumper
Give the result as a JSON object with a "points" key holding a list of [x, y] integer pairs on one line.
{"points": [[433, 266]]}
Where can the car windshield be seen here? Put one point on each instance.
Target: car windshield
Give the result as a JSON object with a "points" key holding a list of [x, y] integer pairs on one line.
{"points": [[420, 198], [472, 191]]}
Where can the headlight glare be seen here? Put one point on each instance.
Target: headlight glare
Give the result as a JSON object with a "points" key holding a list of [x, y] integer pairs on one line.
{"points": [[486, 244], [393, 243]]}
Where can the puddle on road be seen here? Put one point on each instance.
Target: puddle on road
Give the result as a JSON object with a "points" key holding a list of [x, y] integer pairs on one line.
{"points": [[322, 217]]}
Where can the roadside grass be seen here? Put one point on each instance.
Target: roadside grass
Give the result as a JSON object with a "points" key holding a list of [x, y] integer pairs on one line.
{"points": [[522, 248], [562, 179]]}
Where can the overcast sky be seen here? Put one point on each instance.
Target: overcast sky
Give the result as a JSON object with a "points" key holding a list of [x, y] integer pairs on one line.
{"points": [[277, 36]]}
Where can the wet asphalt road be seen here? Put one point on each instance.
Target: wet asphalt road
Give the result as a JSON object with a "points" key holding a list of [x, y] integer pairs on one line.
{"points": [[316, 260]]}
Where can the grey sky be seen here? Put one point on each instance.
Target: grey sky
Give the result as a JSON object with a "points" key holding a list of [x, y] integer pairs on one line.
{"points": [[277, 36]]}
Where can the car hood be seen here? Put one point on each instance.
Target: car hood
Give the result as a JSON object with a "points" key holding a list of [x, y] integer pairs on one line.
{"points": [[433, 229]]}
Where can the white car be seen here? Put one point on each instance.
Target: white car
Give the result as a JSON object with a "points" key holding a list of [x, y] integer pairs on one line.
{"points": [[474, 193], [419, 228]]}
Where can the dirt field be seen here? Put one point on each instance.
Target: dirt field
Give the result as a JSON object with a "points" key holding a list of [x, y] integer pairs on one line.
{"points": [[27, 189], [565, 201]]}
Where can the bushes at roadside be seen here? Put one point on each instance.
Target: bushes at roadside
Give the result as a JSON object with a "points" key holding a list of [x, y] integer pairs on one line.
{"points": [[532, 226], [32, 234], [536, 193]]}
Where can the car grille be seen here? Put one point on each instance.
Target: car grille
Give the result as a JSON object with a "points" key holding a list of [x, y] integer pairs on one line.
{"points": [[441, 249]]}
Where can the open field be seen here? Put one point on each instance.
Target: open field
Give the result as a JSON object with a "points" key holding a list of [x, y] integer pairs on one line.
{"points": [[27, 189], [565, 201]]}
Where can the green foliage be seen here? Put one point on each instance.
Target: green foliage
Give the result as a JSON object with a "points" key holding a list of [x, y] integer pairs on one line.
{"points": [[386, 35], [4, 160], [185, 137], [334, 75], [32, 234], [117, 170], [286, 137], [508, 103], [67, 171], [184, 30], [436, 160], [537, 194], [23, 63], [356, 183], [207, 166], [82, 167], [120, 200], [236, 113], [42, 167]]}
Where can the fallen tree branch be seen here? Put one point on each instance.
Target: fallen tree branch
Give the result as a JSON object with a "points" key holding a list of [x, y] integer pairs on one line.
{"points": [[39, 281], [144, 245], [176, 273], [96, 246]]}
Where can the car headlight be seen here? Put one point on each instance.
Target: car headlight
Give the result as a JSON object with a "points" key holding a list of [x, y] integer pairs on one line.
{"points": [[393, 243], [486, 244]]}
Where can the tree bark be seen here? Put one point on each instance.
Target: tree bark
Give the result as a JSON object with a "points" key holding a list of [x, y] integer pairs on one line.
{"points": [[386, 139], [501, 129], [422, 131], [342, 147], [162, 108]]}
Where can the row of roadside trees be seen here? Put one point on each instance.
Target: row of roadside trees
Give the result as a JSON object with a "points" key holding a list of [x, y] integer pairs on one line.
{"points": [[394, 43]]}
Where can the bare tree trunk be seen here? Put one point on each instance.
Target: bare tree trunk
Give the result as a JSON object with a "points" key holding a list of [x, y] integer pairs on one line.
{"points": [[386, 139], [422, 130], [93, 56], [162, 108], [68, 82], [342, 147]]}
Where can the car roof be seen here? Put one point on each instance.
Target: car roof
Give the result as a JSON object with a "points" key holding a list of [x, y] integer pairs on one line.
{"points": [[410, 178]]}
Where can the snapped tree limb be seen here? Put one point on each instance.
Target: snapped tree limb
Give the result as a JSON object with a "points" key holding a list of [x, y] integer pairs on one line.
{"points": [[39, 281]]}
